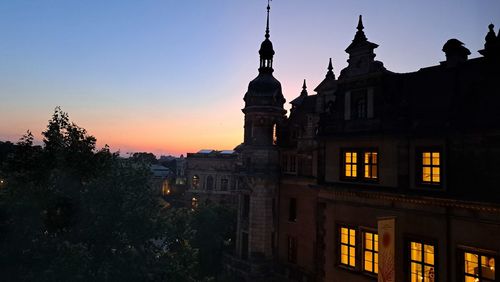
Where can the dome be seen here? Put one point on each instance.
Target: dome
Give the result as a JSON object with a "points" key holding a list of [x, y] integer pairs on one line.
{"points": [[264, 90], [266, 49]]}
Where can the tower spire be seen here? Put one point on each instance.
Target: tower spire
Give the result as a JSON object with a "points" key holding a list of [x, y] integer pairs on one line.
{"points": [[304, 89], [266, 48], [360, 23], [267, 25]]}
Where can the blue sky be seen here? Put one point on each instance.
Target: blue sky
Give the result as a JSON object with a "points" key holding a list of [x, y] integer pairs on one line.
{"points": [[169, 76]]}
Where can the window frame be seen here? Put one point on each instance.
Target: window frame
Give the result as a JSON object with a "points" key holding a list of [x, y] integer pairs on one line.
{"points": [[360, 164], [419, 167], [224, 183], [195, 185], [481, 253], [408, 258], [209, 183], [374, 251], [355, 246]]}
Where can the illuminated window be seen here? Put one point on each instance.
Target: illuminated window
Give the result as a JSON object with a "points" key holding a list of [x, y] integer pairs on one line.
{"points": [[351, 164], [210, 182], [370, 252], [224, 183], [275, 136], [165, 189], [422, 264], [478, 267], [292, 249], [195, 182], [370, 165], [431, 167], [348, 247], [194, 203], [360, 164]]}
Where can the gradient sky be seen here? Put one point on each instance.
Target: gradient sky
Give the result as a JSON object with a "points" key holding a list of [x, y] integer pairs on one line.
{"points": [[169, 77]]}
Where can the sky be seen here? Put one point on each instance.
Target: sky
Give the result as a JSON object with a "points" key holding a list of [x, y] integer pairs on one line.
{"points": [[169, 77]]}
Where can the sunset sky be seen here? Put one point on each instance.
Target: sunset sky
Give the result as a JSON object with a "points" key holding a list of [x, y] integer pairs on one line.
{"points": [[168, 77]]}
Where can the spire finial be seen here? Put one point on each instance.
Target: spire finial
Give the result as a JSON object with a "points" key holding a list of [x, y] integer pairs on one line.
{"points": [[304, 89], [267, 25], [330, 66], [360, 23]]}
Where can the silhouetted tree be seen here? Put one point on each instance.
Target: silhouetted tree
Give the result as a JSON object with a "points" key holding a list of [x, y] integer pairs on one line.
{"points": [[70, 212], [143, 157]]}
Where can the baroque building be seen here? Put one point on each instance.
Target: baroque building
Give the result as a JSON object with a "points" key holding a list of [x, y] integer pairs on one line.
{"points": [[377, 176]]}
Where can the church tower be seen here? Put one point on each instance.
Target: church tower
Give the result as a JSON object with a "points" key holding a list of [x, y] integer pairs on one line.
{"points": [[257, 215]]}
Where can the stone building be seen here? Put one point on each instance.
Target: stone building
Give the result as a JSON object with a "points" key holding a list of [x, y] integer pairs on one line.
{"points": [[211, 177], [378, 175]]}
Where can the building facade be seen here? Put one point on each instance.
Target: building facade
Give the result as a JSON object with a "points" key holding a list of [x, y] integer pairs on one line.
{"points": [[377, 176], [211, 177]]}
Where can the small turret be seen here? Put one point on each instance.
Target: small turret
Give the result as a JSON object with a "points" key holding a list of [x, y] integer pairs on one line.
{"points": [[455, 52]]}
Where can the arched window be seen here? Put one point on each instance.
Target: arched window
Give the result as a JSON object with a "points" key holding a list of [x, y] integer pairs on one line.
{"points": [[195, 182], [275, 135], [224, 183], [165, 189], [361, 108], [194, 203], [210, 182]]}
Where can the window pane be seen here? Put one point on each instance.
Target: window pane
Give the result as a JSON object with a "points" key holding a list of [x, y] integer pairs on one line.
{"points": [[426, 158], [354, 170], [367, 171], [376, 242], [374, 171], [369, 241], [348, 158], [429, 254], [352, 256], [426, 174], [416, 272], [344, 234], [471, 263], [352, 237], [367, 158], [429, 274], [354, 157], [348, 170], [374, 158], [435, 158], [416, 251], [376, 263], [368, 265], [488, 267]]}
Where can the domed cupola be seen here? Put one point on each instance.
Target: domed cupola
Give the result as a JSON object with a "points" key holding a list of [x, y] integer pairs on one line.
{"points": [[265, 90]]}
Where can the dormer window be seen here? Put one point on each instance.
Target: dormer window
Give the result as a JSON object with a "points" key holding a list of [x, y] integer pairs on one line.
{"points": [[359, 104]]}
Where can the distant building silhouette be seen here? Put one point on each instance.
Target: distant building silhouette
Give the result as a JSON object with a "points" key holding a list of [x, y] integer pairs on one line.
{"points": [[377, 175]]}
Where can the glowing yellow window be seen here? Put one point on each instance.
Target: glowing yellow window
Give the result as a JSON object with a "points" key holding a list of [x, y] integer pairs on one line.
{"points": [[370, 165], [422, 262], [348, 246], [370, 252], [431, 167], [478, 268], [351, 164]]}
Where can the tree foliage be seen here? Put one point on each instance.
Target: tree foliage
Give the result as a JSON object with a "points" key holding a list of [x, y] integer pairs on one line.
{"points": [[71, 212]]}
